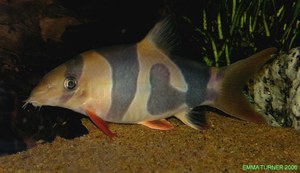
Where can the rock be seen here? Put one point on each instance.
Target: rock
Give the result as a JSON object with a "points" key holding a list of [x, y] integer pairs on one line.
{"points": [[275, 91]]}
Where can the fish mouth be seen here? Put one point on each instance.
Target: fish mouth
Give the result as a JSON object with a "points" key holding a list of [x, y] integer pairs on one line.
{"points": [[32, 102]]}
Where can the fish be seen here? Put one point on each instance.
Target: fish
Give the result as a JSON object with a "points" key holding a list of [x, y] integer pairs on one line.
{"points": [[147, 82]]}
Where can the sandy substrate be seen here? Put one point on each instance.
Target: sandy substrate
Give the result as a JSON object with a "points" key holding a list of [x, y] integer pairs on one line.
{"points": [[228, 146]]}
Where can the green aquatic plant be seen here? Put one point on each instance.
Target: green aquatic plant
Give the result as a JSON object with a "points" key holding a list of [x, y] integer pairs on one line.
{"points": [[230, 26]]}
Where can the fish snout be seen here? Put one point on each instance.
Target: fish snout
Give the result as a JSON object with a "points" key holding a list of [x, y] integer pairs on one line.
{"points": [[39, 95]]}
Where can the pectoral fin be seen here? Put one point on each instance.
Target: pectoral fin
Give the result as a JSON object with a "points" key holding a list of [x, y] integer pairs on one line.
{"points": [[161, 124], [100, 124]]}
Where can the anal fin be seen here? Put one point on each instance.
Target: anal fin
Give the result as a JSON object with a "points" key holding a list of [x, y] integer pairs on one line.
{"points": [[161, 124], [100, 124], [194, 118]]}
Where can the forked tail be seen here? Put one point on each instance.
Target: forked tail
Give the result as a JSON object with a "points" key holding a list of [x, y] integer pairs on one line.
{"points": [[229, 82]]}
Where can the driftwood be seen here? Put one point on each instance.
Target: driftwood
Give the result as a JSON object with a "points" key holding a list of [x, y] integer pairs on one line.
{"points": [[25, 27], [24, 22]]}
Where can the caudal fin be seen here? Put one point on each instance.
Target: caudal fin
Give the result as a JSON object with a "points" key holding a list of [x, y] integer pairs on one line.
{"points": [[230, 82]]}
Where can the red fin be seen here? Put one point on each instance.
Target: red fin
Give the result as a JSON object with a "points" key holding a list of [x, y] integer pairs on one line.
{"points": [[100, 124], [161, 124]]}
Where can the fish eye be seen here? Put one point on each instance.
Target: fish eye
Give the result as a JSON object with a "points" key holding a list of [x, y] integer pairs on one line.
{"points": [[70, 83]]}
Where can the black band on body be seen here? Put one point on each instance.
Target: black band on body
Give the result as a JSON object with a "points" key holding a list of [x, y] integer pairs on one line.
{"points": [[163, 96], [125, 69]]}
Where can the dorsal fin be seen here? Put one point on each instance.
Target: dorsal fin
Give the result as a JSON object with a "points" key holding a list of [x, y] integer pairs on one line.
{"points": [[164, 35]]}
